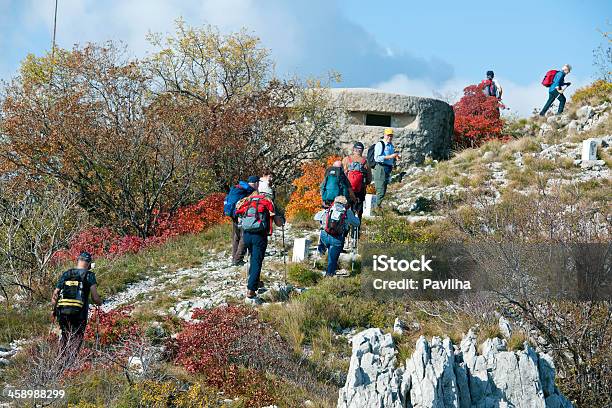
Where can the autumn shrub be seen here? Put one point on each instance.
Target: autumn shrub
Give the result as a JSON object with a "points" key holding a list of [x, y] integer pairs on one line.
{"points": [[193, 218], [306, 198], [109, 328], [595, 93], [208, 346], [477, 118], [104, 242]]}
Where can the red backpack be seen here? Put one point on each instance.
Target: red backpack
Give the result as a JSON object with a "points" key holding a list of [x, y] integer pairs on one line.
{"points": [[549, 78], [356, 174], [488, 87], [335, 218]]}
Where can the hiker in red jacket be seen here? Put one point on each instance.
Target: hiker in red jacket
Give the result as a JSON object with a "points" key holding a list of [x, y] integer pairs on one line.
{"points": [[359, 175], [257, 213]]}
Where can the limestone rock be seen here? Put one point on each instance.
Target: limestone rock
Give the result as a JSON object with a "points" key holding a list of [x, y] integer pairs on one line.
{"points": [[504, 327], [399, 326], [488, 156], [545, 129], [441, 375], [372, 380], [585, 112]]}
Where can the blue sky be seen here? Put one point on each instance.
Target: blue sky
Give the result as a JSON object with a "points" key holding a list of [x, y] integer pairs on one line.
{"points": [[413, 47]]}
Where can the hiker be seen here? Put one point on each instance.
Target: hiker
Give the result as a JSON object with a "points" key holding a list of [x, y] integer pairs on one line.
{"points": [[239, 191], [335, 223], [335, 183], [384, 158], [359, 176], [70, 301], [491, 86], [257, 213], [555, 80]]}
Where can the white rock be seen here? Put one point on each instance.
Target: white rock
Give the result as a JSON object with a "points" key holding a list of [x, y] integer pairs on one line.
{"points": [[504, 327], [488, 156], [398, 326], [545, 129], [135, 365], [437, 376], [585, 112], [589, 164]]}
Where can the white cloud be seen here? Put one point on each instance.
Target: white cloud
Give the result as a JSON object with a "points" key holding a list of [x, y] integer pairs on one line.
{"points": [[519, 99], [307, 38]]}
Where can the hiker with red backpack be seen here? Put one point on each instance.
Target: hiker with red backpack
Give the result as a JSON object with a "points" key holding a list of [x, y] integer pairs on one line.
{"points": [[335, 223], [555, 81], [256, 214], [359, 176], [491, 86], [238, 192]]}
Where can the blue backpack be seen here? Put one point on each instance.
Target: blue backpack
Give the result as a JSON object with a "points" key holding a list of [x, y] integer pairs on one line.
{"points": [[236, 193], [333, 184]]}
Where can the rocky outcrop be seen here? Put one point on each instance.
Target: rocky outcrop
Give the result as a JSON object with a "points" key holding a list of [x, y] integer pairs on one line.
{"points": [[423, 126], [442, 375], [372, 381]]}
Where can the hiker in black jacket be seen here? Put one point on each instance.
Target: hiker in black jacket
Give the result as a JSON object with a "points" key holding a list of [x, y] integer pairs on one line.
{"points": [[70, 301]]}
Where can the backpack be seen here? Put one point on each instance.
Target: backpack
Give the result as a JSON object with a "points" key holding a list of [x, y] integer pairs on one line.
{"points": [[370, 155], [257, 217], [335, 219], [332, 184], [489, 88], [549, 78], [356, 174], [72, 296], [236, 193]]}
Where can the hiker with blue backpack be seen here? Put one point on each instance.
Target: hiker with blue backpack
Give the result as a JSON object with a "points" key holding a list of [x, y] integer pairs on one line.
{"points": [[239, 191], [555, 81], [381, 158], [256, 214], [335, 223], [335, 183]]}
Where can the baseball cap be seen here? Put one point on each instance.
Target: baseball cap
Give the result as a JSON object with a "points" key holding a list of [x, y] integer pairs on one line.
{"points": [[85, 256], [253, 179]]}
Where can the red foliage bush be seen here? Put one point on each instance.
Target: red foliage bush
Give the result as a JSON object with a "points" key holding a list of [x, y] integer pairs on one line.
{"points": [[192, 218], [103, 242], [477, 118], [207, 344], [215, 346], [111, 327]]}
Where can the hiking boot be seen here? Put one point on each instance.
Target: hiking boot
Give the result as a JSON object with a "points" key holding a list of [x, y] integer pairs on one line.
{"points": [[251, 294], [238, 263]]}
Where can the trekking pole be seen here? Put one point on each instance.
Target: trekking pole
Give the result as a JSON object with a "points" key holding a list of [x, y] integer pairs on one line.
{"points": [[97, 327], [52, 322], [284, 253]]}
